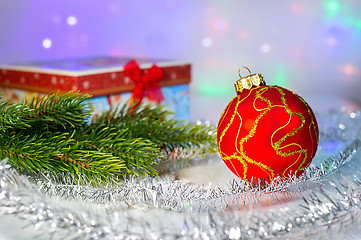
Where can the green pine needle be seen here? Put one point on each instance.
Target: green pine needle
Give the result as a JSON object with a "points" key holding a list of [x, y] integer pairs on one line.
{"points": [[155, 124], [52, 134], [100, 155], [69, 110], [14, 115]]}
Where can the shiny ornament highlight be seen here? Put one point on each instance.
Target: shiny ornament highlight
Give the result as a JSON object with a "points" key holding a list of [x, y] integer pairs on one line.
{"points": [[266, 131]]}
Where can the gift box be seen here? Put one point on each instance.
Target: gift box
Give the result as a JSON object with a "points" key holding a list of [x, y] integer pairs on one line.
{"points": [[102, 77]]}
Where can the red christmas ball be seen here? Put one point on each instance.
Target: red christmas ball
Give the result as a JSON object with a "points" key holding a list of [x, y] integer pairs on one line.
{"points": [[266, 131]]}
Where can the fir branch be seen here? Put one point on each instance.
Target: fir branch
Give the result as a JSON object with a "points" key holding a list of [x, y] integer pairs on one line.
{"points": [[101, 155], [69, 110], [139, 155], [54, 111], [30, 153], [14, 115], [52, 134], [155, 124]]}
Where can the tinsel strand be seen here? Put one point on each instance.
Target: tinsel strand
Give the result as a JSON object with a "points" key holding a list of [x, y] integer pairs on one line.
{"points": [[323, 203]]}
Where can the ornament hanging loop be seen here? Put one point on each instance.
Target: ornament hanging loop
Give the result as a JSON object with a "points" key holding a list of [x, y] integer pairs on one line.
{"points": [[252, 80], [239, 71]]}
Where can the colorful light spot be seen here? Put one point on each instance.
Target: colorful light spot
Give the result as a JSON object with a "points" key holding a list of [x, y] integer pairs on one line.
{"points": [[220, 25], [332, 6], [265, 48], [296, 8], [71, 20], [243, 34], [358, 24], [280, 78], [47, 43], [349, 69], [214, 90], [207, 42]]}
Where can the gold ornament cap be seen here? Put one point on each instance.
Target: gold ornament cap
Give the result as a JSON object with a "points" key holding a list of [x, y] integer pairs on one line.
{"points": [[248, 82]]}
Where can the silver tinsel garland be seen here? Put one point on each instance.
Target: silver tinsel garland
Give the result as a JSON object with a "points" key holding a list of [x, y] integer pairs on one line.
{"points": [[322, 203]]}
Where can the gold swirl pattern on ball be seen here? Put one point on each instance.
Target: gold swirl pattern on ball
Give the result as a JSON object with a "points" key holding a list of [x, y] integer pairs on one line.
{"points": [[240, 154]]}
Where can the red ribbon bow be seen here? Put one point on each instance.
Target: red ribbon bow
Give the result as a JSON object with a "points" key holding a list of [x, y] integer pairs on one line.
{"points": [[146, 82]]}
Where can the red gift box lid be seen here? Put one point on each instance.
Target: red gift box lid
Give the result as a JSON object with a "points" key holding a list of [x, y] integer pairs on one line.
{"points": [[96, 76]]}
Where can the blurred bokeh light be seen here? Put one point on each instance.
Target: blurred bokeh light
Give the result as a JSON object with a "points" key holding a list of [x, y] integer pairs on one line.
{"points": [[311, 47]]}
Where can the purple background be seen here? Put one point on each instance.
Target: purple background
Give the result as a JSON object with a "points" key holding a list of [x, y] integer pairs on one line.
{"points": [[311, 47]]}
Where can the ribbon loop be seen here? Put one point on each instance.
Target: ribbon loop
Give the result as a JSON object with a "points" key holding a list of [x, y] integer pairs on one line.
{"points": [[146, 82]]}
